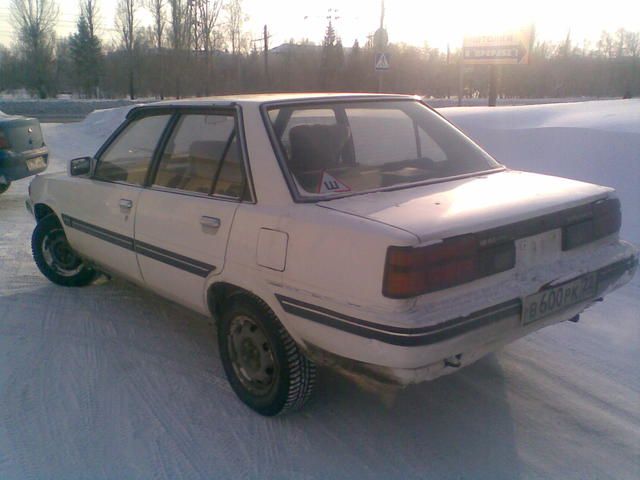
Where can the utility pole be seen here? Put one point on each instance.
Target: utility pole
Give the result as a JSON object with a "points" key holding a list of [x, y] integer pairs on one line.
{"points": [[460, 79], [448, 72], [265, 42], [381, 39], [266, 57]]}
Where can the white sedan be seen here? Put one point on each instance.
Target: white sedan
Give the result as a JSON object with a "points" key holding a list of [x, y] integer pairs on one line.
{"points": [[362, 232]]}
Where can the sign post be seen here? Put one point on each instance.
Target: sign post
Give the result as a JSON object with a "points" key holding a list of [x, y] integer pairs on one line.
{"points": [[381, 64], [510, 48]]}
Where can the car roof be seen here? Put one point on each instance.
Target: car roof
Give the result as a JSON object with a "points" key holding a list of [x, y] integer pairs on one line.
{"points": [[261, 98]]}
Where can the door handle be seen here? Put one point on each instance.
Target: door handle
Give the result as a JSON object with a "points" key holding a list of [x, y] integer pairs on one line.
{"points": [[210, 222], [125, 203]]}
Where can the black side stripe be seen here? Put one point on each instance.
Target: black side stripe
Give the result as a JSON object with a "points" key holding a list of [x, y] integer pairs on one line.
{"points": [[98, 232], [187, 264], [179, 261], [434, 333], [399, 335]]}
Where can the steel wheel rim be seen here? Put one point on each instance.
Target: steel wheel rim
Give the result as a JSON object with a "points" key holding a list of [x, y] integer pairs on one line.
{"points": [[58, 255], [252, 355]]}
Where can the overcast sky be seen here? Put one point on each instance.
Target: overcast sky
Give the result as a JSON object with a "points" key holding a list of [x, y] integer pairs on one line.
{"points": [[413, 22]]}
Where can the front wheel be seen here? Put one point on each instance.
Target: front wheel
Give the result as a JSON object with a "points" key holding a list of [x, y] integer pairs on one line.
{"points": [[54, 256], [4, 187], [263, 364]]}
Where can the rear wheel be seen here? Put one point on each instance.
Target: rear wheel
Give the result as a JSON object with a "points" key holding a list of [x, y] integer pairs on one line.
{"points": [[264, 365], [54, 256], [4, 187]]}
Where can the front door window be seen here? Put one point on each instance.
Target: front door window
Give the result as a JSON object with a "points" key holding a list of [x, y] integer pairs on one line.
{"points": [[128, 157]]}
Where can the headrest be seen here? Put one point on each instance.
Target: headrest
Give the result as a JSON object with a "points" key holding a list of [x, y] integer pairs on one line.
{"points": [[316, 147]]}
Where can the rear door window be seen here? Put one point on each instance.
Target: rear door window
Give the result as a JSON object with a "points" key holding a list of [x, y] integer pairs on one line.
{"points": [[203, 156]]}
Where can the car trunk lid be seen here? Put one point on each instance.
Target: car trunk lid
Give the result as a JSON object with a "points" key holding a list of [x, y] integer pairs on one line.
{"points": [[442, 210], [22, 134]]}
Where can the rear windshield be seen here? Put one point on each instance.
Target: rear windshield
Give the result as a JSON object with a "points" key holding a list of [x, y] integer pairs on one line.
{"points": [[342, 148]]}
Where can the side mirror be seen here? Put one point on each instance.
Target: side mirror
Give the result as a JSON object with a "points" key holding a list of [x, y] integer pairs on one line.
{"points": [[81, 166]]}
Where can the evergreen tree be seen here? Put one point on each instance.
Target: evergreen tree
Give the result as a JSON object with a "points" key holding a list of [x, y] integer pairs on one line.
{"points": [[329, 36], [332, 58], [86, 53], [356, 72]]}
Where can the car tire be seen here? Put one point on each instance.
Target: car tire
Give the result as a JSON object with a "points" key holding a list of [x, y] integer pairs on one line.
{"points": [[263, 364], [54, 256], [4, 187]]}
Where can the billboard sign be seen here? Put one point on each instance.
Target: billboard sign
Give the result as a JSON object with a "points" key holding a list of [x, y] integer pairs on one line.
{"points": [[510, 48]]}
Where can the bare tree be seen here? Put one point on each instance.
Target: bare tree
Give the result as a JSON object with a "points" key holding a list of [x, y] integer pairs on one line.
{"points": [[35, 21], [90, 11], [179, 36], [235, 20], [606, 45], [158, 11], [632, 43], [126, 25], [632, 49], [208, 12]]}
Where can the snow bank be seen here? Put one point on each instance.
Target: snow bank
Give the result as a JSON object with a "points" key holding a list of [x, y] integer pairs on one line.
{"points": [[481, 102], [596, 142], [100, 121], [609, 115], [71, 140]]}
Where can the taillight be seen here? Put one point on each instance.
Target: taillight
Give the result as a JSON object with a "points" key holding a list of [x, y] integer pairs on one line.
{"points": [[4, 143], [606, 219], [412, 271]]}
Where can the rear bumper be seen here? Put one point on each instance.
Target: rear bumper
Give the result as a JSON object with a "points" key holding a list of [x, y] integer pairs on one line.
{"points": [[13, 166], [411, 355]]}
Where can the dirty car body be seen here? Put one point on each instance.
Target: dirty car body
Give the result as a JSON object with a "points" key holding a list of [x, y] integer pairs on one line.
{"points": [[384, 240], [23, 152]]}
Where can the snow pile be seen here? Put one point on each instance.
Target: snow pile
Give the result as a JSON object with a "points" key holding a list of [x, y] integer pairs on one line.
{"points": [[104, 121], [71, 140], [610, 115], [481, 102], [596, 142]]}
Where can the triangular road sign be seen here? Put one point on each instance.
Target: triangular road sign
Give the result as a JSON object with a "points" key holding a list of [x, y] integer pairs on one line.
{"points": [[382, 62]]}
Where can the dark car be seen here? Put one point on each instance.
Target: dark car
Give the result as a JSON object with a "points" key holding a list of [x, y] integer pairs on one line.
{"points": [[22, 149]]}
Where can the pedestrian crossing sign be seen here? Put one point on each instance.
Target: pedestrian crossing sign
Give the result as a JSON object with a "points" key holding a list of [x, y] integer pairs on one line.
{"points": [[382, 61]]}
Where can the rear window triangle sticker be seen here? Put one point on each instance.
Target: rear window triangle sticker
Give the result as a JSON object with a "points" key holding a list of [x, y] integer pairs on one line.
{"points": [[330, 184]]}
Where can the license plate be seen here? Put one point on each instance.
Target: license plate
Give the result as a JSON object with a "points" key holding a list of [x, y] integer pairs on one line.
{"points": [[553, 300], [36, 163]]}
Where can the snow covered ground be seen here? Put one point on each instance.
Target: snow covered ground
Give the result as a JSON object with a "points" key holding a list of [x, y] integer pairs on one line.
{"points": [[113, 382]]}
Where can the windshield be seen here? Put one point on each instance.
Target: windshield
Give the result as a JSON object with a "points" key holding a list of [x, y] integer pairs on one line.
{"points": [[341, 148]]}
